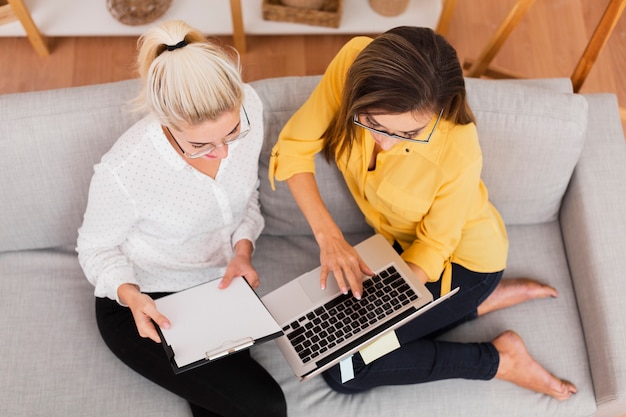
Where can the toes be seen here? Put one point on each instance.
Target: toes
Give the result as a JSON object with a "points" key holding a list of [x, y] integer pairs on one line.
{"points": [[567, 390], [560, 389], [537, 289], [549, 291]]}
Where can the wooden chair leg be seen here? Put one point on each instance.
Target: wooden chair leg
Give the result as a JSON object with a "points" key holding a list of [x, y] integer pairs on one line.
{"points": [[596, 43], [446, 15], [497, 40], [239, 36], [34, 36]]}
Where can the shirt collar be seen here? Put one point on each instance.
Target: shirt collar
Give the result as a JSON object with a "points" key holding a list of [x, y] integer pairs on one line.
{"points": [[163, 146]]}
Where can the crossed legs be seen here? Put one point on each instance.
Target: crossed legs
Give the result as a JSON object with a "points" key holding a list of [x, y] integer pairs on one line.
{"points": [[423, 357]]}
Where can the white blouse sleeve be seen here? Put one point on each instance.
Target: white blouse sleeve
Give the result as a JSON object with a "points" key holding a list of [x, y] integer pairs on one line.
{"points": [[109, 216], [252, 224]]}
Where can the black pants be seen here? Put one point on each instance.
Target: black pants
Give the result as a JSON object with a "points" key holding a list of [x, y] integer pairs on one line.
{"points": [[234, 386], [422, 358]]}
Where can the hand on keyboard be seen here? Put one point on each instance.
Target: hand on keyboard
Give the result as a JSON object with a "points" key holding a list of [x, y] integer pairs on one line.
{"points": [[344, 318], [340, 258]]}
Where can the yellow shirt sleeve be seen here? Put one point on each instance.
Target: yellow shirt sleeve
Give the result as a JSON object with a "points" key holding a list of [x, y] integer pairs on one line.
{"points": [[301, 138]]}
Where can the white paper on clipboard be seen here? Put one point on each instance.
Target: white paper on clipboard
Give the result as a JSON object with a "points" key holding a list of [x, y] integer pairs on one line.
{"points": [[208, 322]]}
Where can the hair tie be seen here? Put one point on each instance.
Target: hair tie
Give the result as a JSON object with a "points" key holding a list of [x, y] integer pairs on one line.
{"points": [[178, 45]]}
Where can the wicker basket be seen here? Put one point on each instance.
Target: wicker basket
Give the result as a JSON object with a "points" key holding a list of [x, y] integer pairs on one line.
{"points": [[304, 4], [137, 12], [389, 7], [329, 15]]}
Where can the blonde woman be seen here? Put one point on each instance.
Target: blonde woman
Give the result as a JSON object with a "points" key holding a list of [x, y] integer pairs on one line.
{"points": [[173, 204]]}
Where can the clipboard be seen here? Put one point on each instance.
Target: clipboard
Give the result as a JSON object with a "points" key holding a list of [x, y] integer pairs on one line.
{"points": [[209, 323]]}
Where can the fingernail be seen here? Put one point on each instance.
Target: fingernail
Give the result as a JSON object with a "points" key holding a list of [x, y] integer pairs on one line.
{"points": [[166, 325], [357, 295]]}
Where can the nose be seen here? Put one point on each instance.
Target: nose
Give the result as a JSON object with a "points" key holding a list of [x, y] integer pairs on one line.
{"points": [[385, 142], [221, 151]]}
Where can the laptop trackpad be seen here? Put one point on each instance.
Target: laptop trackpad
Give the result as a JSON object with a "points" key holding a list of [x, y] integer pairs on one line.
{"points": [[310, 283]]}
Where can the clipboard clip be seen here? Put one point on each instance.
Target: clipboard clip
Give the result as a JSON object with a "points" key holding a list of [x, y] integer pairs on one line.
{"points": [[228, 347], [168, 351]]}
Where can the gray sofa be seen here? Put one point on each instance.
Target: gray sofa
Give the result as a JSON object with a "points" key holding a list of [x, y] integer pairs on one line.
{"points": [[555, 166]]}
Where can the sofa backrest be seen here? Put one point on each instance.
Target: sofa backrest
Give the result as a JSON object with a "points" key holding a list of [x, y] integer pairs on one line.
{"points": [[531, 135], [49, 143], [281, 213]]}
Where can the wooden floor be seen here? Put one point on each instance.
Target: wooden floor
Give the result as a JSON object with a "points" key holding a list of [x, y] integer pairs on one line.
{"points": [[547, 43]]}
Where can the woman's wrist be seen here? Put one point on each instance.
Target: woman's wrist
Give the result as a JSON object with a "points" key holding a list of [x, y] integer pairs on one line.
{"points": [[244, 247], [327, 234], [126, 292], [421, 274]]}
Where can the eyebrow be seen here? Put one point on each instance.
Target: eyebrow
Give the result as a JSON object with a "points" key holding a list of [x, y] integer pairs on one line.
{"points": [[209, 143]]}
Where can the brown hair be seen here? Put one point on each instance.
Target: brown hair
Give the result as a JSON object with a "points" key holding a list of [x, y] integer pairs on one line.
{"points": [[403, 70]]}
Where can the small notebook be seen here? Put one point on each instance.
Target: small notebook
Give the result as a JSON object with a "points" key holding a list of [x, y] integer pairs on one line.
{"points": [[208, 323]]}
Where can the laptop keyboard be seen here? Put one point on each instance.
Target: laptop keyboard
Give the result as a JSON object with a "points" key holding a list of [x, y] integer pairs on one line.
{"points": [[343, 318]]}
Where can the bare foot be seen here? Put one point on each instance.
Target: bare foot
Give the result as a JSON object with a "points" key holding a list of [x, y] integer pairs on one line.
{"points": [[515, 291], [518, 367]]}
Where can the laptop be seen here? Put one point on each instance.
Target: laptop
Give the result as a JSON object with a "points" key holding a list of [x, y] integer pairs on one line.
{"points": [[322, 327]]}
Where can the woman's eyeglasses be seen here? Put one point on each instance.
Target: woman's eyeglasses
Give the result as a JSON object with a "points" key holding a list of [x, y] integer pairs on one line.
{"points": [[210, 147], [394, 136]]}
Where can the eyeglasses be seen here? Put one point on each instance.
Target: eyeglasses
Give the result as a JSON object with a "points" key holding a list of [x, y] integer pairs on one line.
{"points": [[394, 136], [210, 147]]}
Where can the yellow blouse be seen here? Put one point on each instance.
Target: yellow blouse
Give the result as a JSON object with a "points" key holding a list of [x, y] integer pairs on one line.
{"points": [[428, 197]]}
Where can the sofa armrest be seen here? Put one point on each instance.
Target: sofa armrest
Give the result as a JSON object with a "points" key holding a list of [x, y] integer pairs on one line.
{"points": [[593, 223]]}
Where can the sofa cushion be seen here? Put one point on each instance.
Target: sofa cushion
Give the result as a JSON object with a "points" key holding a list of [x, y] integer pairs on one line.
{"points": [[54, 361], [282, 215], [551, 330], [49, 143], [522, 126]]}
